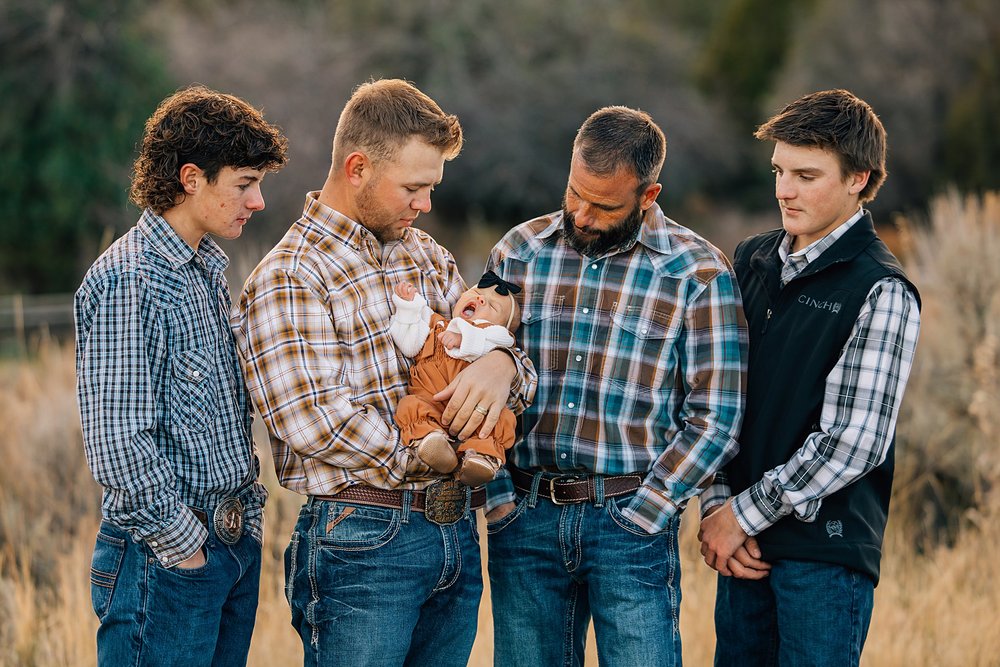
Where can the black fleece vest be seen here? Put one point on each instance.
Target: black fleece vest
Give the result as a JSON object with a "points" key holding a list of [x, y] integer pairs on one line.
{"points": [[797, 333]]}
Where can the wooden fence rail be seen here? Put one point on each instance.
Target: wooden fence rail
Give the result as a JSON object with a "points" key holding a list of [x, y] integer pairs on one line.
{"points": [[24, 316]]}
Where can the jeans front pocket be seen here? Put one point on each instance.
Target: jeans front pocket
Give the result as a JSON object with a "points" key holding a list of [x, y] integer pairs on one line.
{"points": [[344, 527], [494, 527], [615, 512], [105, 565]]}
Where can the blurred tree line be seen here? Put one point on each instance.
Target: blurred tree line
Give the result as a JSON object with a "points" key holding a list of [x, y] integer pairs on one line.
{"points": [[79, 77]]}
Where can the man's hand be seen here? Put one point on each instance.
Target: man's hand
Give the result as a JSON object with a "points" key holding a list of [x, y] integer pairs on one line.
{"points": [[477, 395], [450, 339], [197, 560], [746, 562], [721, 535], [405, 291], [499, 512]]}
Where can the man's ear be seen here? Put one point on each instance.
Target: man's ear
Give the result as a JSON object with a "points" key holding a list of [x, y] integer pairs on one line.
{"points": [[857, 181], [190, 177], [649, 196], [357, 168]]}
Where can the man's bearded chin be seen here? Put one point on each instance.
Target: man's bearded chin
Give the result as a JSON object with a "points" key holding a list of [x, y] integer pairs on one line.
{"points": [[600, 242]]}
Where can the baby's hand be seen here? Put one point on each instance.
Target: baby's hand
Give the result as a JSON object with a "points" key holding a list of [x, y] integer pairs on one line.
{"points": [[405, 291], [450, 339]]}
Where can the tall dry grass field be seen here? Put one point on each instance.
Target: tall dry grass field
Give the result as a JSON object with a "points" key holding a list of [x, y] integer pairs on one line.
{"points": [[937, 603]]}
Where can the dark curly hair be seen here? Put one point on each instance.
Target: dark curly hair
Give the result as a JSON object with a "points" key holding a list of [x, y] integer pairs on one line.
{"points": [[209, 129]]}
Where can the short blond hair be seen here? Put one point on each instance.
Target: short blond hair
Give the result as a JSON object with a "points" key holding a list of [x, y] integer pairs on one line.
{"points": [[383, 115]]}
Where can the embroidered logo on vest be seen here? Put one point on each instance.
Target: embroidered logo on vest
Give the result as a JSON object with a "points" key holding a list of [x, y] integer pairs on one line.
{"points": [[832, 306], [835, 528]]}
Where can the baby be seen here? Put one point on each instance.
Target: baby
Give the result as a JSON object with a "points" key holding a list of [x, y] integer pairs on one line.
{"points": [[483, 319]]}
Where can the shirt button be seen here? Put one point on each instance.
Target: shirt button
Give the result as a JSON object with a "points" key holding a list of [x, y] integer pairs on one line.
{"points": [[645, 331], [579, 357], [571, 405], [154, 543], [586, 310], [562, 456], [593, 266], [195, 374], [164, 559], [527, 314]]}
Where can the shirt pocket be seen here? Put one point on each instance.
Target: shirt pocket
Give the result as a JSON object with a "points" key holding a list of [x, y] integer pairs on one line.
{"points": [[193, 404], [541, 324], [641, 357]]}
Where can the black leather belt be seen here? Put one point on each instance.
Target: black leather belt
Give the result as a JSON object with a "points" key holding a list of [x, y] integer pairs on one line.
{"points": [[569, 489]]}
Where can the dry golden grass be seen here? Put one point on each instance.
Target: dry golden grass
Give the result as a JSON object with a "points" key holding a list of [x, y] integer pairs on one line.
{"points": [[937, 603]]}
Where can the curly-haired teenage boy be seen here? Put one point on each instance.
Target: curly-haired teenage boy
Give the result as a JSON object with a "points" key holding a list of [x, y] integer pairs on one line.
{"points": [[165, 412]]}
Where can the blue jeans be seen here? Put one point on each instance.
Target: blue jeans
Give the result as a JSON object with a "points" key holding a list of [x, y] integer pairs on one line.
{"points": [[803, 613], [151, 615], [371, 586], [553, 566]]}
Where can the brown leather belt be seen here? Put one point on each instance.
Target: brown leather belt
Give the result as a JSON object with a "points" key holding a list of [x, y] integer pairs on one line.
{"points": [[569, 489], [446, 498]]}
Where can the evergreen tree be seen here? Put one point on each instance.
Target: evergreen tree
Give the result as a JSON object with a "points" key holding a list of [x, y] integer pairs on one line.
{"points": [[78, 79]]}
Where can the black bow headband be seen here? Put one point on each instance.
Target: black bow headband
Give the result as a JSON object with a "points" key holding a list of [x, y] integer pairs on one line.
{"points": [[502, 287]]}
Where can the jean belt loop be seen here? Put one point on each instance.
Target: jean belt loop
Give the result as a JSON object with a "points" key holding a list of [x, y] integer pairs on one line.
{"points": [[598, 482], [468, 502], [407, 503], [533, 496]]}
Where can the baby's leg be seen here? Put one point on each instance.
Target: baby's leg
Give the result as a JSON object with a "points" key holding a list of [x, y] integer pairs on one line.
{"points": [[419, 422], [482, 457]]}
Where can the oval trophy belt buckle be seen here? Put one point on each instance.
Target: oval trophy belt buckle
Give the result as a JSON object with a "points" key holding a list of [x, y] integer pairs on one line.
{"points": [[228, 521], [444, 501]]}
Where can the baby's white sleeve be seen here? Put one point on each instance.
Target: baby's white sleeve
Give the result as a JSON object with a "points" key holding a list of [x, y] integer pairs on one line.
{"points": [[476, 341], [410, 324]]}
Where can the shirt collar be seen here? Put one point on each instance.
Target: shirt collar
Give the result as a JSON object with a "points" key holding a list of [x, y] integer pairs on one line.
{"points": [[350, 232], [818, 247], [165, 241]]}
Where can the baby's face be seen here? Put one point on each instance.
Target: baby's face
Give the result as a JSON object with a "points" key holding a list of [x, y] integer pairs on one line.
{"points": [[483, 303]]}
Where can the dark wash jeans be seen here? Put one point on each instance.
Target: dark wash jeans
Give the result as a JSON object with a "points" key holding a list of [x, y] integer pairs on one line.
{"points": [[553, 566], [151, 615], [803, 613], [370, 586]]}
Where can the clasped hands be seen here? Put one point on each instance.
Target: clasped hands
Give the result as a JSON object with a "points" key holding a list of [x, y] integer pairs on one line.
{"points": [[726, 548]]}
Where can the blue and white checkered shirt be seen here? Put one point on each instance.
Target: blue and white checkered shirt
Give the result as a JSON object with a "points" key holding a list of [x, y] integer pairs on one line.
{"points": [[165, 413]]}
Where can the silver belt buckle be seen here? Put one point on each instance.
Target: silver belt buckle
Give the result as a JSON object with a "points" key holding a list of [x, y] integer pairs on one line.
{"points": [[444, 501], [228, 521]]}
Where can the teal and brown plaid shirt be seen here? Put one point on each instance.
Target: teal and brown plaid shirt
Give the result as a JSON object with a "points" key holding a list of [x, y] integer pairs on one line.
{"points": [[641, 356]]}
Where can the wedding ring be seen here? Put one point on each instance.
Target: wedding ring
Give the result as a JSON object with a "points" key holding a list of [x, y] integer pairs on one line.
{"points": [[481, 410]]}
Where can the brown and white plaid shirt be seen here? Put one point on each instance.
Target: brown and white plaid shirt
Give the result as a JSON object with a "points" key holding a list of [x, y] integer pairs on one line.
{"points": [[312, 329]]}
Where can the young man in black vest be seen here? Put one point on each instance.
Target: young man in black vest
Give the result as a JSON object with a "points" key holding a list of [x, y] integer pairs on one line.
{"points": [[794, 523]]}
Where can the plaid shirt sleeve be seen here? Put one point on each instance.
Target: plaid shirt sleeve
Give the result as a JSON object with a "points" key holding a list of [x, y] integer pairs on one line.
{"points": [[713, 356], [716, 494], [525, 382], [116, 334], [295, 373], [863, 394]]}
